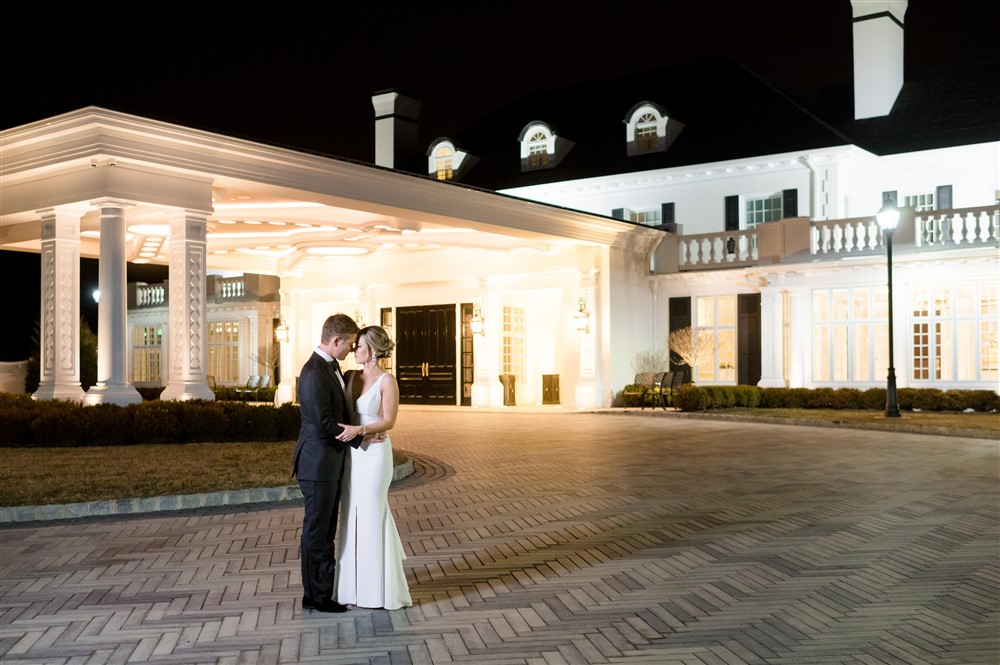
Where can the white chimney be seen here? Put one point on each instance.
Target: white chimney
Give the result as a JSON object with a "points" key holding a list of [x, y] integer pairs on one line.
{"points": [[395, 127], [878, 55]]}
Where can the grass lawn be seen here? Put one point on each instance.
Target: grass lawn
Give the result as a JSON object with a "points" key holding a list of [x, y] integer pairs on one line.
{"points": [[39, 476]]}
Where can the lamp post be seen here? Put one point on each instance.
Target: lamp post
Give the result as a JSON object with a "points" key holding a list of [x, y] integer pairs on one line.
{"points": [[887, 218]]}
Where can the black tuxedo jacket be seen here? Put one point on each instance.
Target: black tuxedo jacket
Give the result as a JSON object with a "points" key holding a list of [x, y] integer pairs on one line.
{"points": [[322, 403]]}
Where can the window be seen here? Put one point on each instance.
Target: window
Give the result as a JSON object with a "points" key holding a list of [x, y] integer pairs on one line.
{"points": [[147, 355], [716, 315], [954, 332], [444, 163], [850, 327], [647, 138], [512, 342], [224, 351], [538, 150], [762, 210], [919, 202], [649, 217]]}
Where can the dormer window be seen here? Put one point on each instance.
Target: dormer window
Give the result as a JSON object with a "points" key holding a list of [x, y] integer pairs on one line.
{"points": [[541, 147], [446, 162], [648, 129], [538, 151], [647, 136], [443, 163]]}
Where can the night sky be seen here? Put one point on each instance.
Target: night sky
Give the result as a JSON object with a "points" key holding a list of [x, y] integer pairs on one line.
{"points": [[304, 78]]}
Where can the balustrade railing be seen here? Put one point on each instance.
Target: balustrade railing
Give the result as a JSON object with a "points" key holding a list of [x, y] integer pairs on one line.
{"points": [[715, 250], [150, 295], [231, 287], [799, 239], [858, 235], [946, 229]]}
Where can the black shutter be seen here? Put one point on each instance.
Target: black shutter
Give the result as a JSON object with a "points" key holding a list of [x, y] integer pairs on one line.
{"points": [[666, 213], [618, 213], [889, 197], [790, 203], [943, 199], [732, 213]]}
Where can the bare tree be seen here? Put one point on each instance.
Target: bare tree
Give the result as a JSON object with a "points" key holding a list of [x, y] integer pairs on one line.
{"points": [[653, 360], [693, 348], [269, 357]]}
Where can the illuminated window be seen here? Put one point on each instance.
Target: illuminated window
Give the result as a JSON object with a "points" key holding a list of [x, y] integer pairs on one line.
{"points": [[954, 332], [444, 163], [538, 150], [147, 355], [716, 316], [512, 342], [850, 327], [224, 351]]}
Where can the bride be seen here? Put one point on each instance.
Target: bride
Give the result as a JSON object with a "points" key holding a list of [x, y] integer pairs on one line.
{"points": [[370, 555]]}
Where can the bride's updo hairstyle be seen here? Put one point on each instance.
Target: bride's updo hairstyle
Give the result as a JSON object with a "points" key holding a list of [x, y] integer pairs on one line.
{"points": [[378, 340]]}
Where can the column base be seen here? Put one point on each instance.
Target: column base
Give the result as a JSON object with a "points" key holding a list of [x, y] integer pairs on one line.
{"points": [[70, 392], [180, 391], [122, 395], [285, 393], [588, 395], [771, 382]]}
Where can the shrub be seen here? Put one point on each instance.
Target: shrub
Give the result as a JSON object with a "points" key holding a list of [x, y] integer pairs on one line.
{"points": [[873, 398], [155, 422], [846, 398], [58, 426], [289, 420], [691, 398], [108, 425], [748, 396]]}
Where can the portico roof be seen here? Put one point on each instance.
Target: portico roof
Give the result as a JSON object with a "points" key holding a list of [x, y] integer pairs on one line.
{"points": [[268, 209]]}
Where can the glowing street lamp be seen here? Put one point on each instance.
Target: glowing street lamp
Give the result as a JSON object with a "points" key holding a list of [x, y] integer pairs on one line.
{"points": [[887, 219]]}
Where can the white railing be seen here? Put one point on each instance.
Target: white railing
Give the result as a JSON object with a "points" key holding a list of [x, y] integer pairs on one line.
{"points": [[231, 287], [717, 250], [838, 237], [946, 229], [150, 295]]}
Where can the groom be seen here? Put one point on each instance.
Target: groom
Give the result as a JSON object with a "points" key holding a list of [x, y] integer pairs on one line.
{"points": [[319, 458]]}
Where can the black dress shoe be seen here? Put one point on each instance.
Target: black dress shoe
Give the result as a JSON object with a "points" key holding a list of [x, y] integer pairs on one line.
{"points": [[328, 606]]}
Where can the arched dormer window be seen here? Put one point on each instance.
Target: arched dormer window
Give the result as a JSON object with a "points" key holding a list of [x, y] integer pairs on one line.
{"points": [[541, 147], [649, 129], [446, 162], [444, 168]]}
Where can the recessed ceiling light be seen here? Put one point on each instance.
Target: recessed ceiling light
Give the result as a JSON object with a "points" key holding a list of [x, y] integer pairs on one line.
{"points": [[336, 251], [150, 229]]}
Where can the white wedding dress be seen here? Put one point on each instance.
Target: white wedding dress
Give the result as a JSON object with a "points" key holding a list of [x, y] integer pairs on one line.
{"points": [[369, 552]]}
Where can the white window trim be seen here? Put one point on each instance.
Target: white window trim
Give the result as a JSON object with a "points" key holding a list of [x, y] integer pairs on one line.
{"points": [[530, 131], [633, 122]]}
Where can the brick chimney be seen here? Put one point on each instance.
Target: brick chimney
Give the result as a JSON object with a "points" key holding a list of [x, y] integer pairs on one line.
{"points": [[878, 55], [395, 128]]}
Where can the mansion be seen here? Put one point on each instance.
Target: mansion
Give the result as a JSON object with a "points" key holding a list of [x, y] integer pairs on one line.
{"points": [[536, 256]]}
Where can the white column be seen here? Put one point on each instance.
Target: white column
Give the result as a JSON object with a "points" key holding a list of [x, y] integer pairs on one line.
{"points": [[587, 390], [800, 372], [187, 309], [59, 327], [771, 338], [285, 391], [113, 386]]}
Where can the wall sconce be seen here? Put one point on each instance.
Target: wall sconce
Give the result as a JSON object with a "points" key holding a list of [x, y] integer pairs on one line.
{"points": [[281, 331], [359, 318], [582, 317], [476, 322]]}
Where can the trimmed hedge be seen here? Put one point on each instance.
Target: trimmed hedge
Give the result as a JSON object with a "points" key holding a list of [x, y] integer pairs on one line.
{"points": [[700, 398], [25, 422]]}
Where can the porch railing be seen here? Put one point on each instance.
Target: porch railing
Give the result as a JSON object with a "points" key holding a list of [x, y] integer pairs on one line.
{"points": [[800, 239]]}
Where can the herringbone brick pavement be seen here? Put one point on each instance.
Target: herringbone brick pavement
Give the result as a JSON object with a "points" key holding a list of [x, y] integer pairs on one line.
{"points": [[542, 539]]}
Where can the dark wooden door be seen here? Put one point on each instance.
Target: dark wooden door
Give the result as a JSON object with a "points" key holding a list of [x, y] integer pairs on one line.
{"points": [[748, 339], [425, 356]]}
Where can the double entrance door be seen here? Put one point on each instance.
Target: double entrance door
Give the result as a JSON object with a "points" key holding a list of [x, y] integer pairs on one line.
{"points": [[426, 354]]}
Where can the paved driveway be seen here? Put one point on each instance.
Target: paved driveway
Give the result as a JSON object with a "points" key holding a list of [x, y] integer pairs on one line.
{"points": [[561, 538]]}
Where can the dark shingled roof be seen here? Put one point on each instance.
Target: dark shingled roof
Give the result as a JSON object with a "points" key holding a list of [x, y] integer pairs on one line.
{"points": [[728, 113], [939, 108]]}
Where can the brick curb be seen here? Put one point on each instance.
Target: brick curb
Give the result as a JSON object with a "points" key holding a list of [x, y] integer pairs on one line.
{"points": [[156, 504]]}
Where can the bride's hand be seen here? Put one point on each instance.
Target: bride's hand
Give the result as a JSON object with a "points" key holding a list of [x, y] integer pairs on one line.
{"points": [[348, 431]]}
